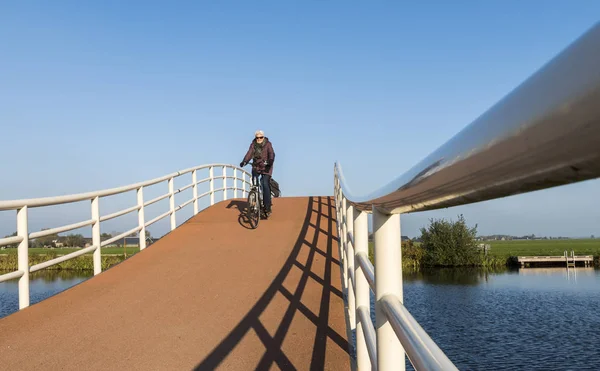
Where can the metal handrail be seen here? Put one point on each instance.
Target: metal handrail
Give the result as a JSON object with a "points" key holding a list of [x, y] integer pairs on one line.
{"points": [[10, 240], [22, 206], [11, 275], [57, 200], [369, 335], [543, 134], [65, 228], [120, 213], [423, 352], [60, 259]]}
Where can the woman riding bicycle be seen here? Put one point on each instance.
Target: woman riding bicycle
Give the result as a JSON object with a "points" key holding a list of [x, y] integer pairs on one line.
{"points": [[263, 156]]}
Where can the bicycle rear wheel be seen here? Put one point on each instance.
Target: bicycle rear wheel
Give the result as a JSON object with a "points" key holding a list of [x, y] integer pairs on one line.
{"points": [[253, 209]]}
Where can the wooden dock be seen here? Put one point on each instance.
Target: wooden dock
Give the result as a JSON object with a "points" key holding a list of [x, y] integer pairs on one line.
{"points": [[568, 261]]}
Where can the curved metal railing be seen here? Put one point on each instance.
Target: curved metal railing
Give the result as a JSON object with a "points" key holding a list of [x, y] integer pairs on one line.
{"points": [[24, 235], [543, 134]]}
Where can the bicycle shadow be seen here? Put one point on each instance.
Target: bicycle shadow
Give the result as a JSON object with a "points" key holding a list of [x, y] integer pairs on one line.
{"points": [[242, 207]]}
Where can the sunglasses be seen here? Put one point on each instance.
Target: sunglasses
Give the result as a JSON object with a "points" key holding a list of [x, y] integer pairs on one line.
{"points": [[259, 137]]}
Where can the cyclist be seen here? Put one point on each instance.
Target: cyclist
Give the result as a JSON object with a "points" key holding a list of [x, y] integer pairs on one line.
{"points": [[263, 156]]}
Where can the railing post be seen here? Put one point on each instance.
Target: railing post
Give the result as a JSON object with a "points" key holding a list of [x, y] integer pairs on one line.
{"points": [[361, 245], [224, 183], [96, 235], [388, 281], [23, 256], [141, 218], [338, 208], [172, 203], [195, 191], [235, 183], [344, 243], [351, 273], [243, 184], [211, 174]]}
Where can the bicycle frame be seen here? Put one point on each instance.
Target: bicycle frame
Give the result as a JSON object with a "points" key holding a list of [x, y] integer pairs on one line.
{"points": [[256, 185]]}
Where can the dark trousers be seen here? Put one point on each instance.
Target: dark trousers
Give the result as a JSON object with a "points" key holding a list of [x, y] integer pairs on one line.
{"points": [[265, 184]]}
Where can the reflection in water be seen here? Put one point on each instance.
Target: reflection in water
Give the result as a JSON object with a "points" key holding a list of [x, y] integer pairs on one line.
{"points": [[508, 319], [42, 284], [532, 318], [62, 275], [451, 276]]}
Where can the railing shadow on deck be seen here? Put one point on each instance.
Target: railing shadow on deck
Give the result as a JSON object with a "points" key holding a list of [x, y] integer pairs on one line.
{"points": [[274, 353]]}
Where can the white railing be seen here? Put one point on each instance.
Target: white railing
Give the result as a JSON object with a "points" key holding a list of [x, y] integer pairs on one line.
{"points": [[24, 235], [545, 133]]}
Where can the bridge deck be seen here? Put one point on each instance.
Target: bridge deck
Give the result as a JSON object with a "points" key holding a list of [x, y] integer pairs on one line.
{"points": [[211, 294]]}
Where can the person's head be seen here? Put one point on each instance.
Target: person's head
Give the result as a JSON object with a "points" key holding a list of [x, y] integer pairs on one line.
{"points": [[260, 136]]}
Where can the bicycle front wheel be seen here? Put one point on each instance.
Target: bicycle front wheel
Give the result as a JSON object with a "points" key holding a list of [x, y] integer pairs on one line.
{"points": [[253, 209]]}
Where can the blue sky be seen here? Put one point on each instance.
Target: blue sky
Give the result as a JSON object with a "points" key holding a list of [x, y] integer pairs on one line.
{"points": [[102, 94]]}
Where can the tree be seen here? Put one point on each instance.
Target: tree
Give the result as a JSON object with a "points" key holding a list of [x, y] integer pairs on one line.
{"points": [[412, 251], [46, 241], [448, 243], [148, 235], [75, 240], [105, 236]]}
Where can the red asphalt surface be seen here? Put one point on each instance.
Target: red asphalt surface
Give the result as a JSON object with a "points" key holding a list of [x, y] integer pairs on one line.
{"points": [[213, 294]]}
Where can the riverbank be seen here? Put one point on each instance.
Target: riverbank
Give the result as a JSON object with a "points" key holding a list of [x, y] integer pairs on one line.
{"points": [[504, 253], [110, 257]]}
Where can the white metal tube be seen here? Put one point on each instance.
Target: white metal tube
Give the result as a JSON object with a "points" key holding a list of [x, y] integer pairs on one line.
{"points": [[11, 276], [172, 204], [161, 216], [195, 191], [23, 257], [48, 201], [60, 259], [350, 255], [235, 183], [141, 217], [368, 361], [362, 260], [96, 235], [224, 183], [361, 245], [211, 175], [159, 198], [65, 228], [423, 352], [184, 204], [124, 234], [119, 213], [344, 239], [179, 190], [338, 208], [388, 281], [243, 184], [10, 240]]}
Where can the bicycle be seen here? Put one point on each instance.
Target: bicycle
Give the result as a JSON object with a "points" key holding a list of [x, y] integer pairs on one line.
{"points": [[256, 207], [255, 203]]}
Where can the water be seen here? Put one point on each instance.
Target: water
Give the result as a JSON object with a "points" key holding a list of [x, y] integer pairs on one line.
{"points": [[43, 284], [533, 319]]}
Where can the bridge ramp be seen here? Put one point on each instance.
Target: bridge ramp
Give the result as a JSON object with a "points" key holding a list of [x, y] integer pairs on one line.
{"points": [[212, 294]]}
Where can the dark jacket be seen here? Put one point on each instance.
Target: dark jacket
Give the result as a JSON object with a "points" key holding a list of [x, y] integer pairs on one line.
{"points": [[267, 154]]}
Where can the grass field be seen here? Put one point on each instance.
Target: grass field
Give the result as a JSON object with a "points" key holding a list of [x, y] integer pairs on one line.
{"points": [[543, 247]]}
